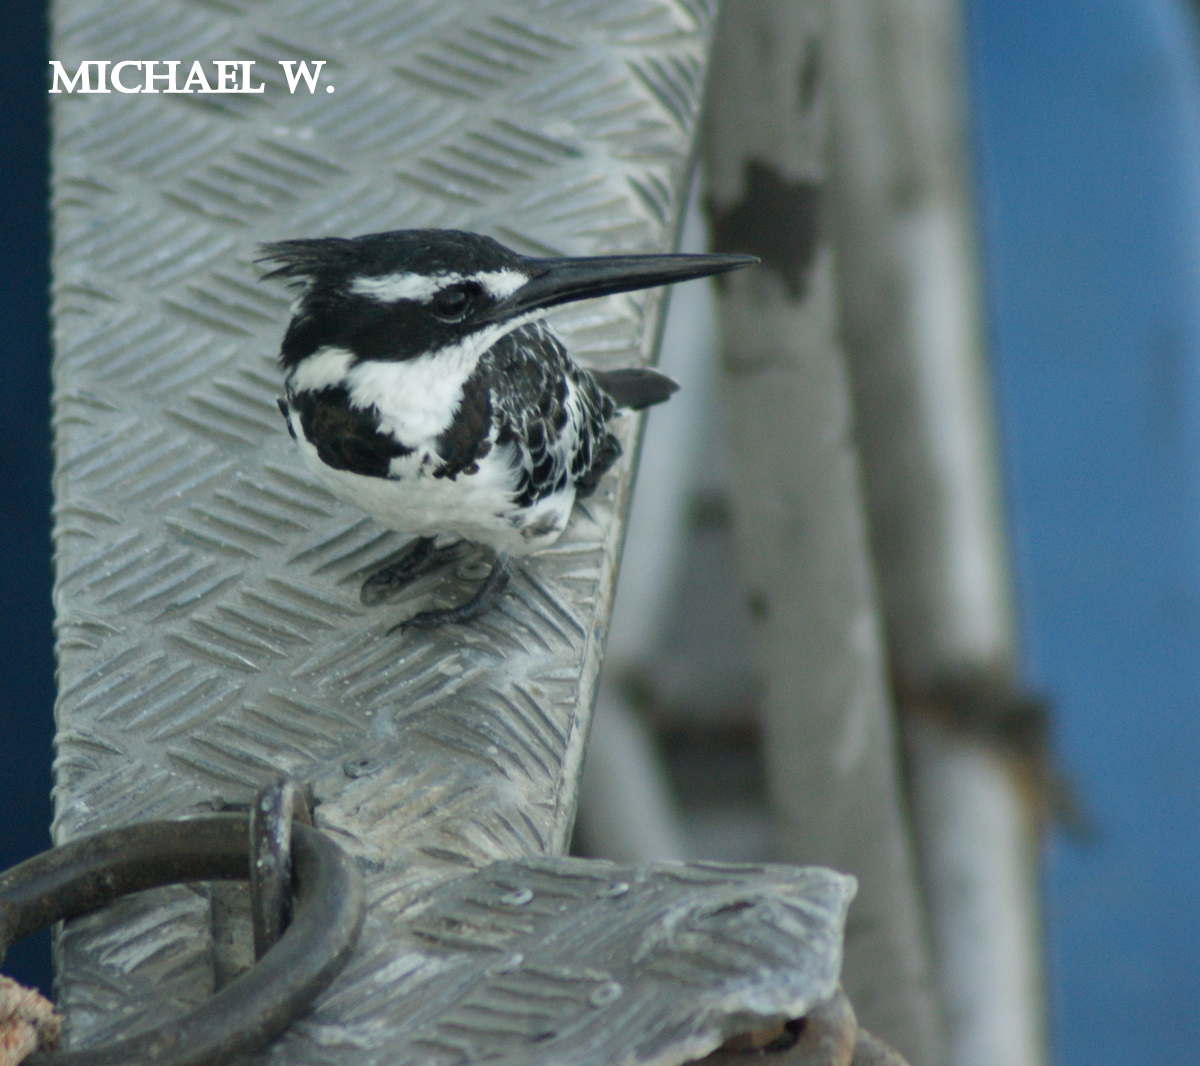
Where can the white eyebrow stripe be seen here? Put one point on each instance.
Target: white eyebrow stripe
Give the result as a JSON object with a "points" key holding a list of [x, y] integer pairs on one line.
{"points": [[390, 288]]}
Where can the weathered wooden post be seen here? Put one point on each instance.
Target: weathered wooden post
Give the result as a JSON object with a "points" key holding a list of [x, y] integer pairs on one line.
{"points": [[830, 741]]}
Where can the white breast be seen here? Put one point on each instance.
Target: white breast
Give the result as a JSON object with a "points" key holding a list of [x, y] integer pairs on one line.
{"points": [[416, 399], [477, 507]]}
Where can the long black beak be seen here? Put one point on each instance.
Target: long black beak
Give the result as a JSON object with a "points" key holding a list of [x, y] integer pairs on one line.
{"points": [[560, 281]]}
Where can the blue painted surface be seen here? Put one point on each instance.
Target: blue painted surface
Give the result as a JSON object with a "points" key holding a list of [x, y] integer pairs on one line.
{"points": [[26, 657], [1089, 145]]}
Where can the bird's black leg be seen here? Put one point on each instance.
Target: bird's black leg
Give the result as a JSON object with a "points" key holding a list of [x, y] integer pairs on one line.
{"points": [[421, 557], [486, 597]]}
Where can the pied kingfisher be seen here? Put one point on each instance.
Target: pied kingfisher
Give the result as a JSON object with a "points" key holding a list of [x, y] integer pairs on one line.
{"points": [[423, 385]]}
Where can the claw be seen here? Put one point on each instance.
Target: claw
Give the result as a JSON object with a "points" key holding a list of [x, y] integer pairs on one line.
{"points": [[421, 557], [486, 596]]}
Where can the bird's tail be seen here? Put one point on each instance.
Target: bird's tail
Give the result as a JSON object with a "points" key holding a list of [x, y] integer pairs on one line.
{"points": [[635, 387]]}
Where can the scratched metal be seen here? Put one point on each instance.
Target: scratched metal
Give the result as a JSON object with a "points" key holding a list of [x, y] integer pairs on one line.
{"points": [[210, 635], [542, 962]]}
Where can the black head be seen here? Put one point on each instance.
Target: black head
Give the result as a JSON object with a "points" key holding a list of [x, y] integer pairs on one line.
{"points": [[398, 295], [391, 295]]}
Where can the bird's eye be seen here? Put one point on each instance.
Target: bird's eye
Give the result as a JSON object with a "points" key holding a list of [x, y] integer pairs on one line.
{"points": [[452, 302]]}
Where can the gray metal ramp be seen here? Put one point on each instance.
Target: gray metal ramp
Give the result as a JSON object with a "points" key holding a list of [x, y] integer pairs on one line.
{"points": [[210, 634], [210, 631]]}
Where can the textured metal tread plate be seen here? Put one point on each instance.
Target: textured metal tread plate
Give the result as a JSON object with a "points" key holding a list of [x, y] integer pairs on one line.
{"points": [[555, 960], [210, 633]]}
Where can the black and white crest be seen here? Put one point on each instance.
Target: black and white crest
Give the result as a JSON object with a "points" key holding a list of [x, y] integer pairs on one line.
{"points": [[423, 385]]}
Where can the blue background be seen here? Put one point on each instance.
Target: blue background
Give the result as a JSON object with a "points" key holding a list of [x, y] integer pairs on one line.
{"points": [[1088, 141]]}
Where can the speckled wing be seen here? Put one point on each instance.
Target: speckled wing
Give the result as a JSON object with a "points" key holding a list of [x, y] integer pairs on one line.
{"points": [[549, 410]]}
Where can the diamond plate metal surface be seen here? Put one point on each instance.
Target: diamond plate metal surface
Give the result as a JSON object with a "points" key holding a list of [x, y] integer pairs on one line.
{"points": [[210, 633], [550, 961]]}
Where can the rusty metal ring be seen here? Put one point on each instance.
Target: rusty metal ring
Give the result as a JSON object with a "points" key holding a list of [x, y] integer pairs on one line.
{"points": [[85, 874]]}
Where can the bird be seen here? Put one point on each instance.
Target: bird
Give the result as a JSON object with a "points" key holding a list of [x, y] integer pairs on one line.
{"points": [[423, 385]]}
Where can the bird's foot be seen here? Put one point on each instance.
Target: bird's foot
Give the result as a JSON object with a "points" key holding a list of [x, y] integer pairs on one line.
{"points": [[422, 557], [486, 597]]}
